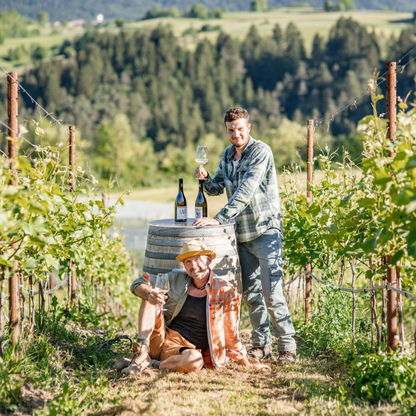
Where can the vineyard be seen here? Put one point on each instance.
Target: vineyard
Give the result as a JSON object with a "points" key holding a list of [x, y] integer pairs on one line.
{"points": [[66, 313]]}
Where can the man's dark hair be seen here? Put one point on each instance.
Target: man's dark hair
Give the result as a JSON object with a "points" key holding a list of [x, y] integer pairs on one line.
{"points": [[235, 114]]}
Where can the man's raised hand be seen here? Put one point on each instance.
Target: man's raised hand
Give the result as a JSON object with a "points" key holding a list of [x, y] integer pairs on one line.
{"points": [[200, 173]]}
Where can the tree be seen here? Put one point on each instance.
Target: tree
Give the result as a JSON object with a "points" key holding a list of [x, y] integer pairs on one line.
{"points": [[295, 49], [345, 5], [91, 69], [198, 11], [39, 52], [258, 6], [114, 146], [216, 13], [43, 18], [120, 22], [16, 54], [318, 50], [329, 6]]}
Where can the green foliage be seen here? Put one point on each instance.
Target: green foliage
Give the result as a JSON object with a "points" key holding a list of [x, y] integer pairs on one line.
{"points": [[43, 18], [16, 54], [258, 5], [120, 22], [210, 28], [118, 155], [10, 369], [190, 31], [345, 5], [13, 25], [216, 13], [329, 332], [197, 11], [329, 6], [172, 95], [134, 10], [39, 52], [355, 217], [300, 4], [155, 12], [50, 223], [386, 376]]}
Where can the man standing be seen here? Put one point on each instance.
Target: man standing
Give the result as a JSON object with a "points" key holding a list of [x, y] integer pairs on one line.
{"points": [[200, 319], [247, 172]]}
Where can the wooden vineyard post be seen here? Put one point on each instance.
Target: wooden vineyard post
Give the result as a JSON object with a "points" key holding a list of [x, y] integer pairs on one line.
{"points": [[13, 123], [391, 113], [72, 181], [400, 306], [105, 288], [374, 310], [354, 274], [1, 307], [308, 269]]}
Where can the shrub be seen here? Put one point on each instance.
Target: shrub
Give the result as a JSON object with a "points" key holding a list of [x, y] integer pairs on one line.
{"points": [[386, 376]]}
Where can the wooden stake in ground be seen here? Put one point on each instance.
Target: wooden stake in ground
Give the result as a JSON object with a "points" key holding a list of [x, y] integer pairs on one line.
{"points": [[391, 113], [31, 305], [400, 306], [72, 182], [2, 294], [374, 309], [353, 299], [383, 309], [308, 277], [374, 313], [13, 123]]}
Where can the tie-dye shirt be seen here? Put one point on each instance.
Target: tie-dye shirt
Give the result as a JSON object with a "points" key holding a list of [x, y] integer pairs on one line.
{"points": [[223, 311]]}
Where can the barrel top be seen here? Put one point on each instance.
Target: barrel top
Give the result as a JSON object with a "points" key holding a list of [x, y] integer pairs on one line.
{"points": [[170, 223]]}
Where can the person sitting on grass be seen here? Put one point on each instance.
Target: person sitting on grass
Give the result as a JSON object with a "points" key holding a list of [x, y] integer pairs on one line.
{"points": [[199, 325]]}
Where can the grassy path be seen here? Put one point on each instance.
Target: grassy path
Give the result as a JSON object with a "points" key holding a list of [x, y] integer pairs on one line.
{"points": [[310, 386]]}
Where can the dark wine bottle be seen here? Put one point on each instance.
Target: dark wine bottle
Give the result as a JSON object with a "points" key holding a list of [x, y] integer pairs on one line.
{"points": [[201, 206], [181, 209]]}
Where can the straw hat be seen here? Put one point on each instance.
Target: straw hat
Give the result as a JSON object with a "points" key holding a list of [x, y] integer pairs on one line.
{"points": [[194, 248]]}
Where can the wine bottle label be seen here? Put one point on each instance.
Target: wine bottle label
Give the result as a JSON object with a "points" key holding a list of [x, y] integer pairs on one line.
{"points": [[182, 213], [198, 212]]}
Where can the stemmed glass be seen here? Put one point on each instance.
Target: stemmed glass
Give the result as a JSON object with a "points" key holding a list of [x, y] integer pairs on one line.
{"points": [[162, 285], [201, 156]]}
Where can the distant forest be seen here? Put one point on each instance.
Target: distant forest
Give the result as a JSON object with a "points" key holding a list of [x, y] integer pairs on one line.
{"points": [[135, 9], [145, 90]]}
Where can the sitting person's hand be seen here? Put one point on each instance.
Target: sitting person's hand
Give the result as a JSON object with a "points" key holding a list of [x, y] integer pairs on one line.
{"points": [[156, 298], [258, 367]]}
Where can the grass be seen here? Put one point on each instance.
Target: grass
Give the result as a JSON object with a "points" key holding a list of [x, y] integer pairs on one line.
{"points": [[47, 38], [237, 24], [309, 386], [308, 21]]}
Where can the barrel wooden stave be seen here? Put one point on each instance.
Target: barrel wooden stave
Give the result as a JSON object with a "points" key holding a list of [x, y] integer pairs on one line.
{"points": [[165, 240]]}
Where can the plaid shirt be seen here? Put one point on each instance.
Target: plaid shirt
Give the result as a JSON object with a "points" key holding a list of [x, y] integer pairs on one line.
{"points": [[222, 308], [252, 191]]}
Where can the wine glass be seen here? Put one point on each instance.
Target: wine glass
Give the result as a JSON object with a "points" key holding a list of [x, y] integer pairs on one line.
{"points": [[162, 285], [201, 156]]}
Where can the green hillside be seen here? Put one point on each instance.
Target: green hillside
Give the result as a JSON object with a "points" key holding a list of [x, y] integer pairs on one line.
{"points": [[148, 89], [135, 9], [236, 24]]}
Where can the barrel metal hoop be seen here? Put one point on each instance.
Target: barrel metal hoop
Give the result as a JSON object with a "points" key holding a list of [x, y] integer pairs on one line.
{"points": [[172, 256]]}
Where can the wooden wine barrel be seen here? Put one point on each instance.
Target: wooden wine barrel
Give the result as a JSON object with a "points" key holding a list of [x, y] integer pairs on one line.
{"points": [[166, 237]]}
